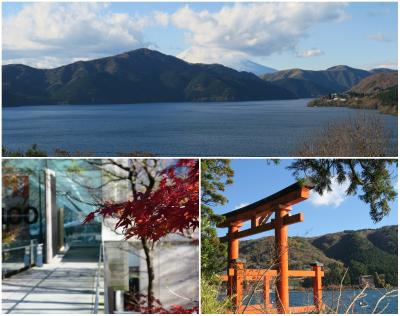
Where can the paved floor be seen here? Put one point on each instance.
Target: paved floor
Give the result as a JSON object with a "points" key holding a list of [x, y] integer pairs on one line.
{"points": [[67, 285]]}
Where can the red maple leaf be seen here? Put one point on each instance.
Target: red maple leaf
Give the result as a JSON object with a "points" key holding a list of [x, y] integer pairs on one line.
{"points": [[172, 207]]}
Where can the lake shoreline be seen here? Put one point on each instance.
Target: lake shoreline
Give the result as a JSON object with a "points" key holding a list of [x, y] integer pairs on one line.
{"points": [[150, 102]]}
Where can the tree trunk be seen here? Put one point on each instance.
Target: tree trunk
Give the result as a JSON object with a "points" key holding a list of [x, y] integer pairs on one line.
{"points": [[145, 245], [150, 273]]}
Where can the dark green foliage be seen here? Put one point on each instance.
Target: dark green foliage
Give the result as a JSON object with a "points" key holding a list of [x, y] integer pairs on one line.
{"points": [[302, 88], [355, 251], [335, 272], [379, 280], [211, 302], [369, 178], [385, 239], [142, 75], [337, 251], [389, 96], [215, 175], [260, 253], [33, 151]]}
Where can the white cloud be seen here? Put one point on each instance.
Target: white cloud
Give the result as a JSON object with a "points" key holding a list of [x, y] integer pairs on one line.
{"points": [[391, 64], [241, 205], [310, 53], [379, 37], [161, 18], [258, 29], [55, 33], [331, 198], [211, 55], [52, 34]]}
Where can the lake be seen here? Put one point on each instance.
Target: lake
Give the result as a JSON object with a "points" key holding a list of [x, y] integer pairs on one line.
{"points": [[298, 298], [262, 128]]}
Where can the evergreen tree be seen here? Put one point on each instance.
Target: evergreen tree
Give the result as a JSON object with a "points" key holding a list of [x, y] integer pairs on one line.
{"points": [[215, 175], [371, 179], [335, 273]]}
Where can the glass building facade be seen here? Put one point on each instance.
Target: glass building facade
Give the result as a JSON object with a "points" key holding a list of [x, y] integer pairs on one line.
{"points": [[25, 185]]}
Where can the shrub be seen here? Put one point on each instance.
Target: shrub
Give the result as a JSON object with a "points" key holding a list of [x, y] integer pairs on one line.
{"points": [[362, 136]]}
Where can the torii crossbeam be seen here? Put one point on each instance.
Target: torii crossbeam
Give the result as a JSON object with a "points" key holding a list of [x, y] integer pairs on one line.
{"points": [[279, 204]]}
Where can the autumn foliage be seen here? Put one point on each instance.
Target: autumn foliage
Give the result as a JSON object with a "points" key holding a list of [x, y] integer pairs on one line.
{"points": [[172, 206]]}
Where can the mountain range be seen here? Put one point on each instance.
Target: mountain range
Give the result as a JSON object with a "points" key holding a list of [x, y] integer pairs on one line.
{"points": [[315, 83], [364, 251], [145, 75], [141, 75]]}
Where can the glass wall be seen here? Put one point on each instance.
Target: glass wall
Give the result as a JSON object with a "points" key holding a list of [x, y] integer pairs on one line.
{"points": [[23, 212], [77, 192]]}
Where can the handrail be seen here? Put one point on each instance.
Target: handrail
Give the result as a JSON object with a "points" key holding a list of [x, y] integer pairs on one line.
{"points": [[32, 242], [27, 257], [15, 248], [96, 300]]}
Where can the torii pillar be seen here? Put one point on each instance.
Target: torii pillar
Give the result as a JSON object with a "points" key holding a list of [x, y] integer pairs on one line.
{"points": [[233, 255], [282, 256]]}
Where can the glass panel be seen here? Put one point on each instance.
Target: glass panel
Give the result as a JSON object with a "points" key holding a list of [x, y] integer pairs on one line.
{"points": [[77, 185], [77, 194], [22, 212], [175, 266]]}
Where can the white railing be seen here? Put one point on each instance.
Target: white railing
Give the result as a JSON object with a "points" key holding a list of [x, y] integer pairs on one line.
{"points": [[98, 277]]}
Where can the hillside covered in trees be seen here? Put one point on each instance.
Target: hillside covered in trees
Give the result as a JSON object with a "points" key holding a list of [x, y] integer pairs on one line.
{"points": [[141, 75], [317, 83], [378, 91], [364, 252]]}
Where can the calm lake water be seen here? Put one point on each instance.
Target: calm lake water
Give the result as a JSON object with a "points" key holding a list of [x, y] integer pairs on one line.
{"points": [[297, 298], [264, 128]]}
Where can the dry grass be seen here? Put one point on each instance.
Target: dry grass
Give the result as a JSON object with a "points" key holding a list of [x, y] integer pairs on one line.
{"points": [[362, 136]]}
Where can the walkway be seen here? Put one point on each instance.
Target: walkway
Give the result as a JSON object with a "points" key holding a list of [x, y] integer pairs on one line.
{"points": [[67, 285]]}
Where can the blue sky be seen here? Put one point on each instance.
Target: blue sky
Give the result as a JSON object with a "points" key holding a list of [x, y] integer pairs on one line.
{"points": [[256, 179], [278, 35]]}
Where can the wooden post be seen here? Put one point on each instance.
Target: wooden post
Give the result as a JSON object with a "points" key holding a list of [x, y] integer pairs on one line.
{"points": [[317, 267], [233, 255], [255, 221], [238, 284], [266, 292], [233, 246], [281, 240]]}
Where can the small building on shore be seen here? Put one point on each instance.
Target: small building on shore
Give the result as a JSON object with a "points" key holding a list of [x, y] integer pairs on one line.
{"points": [[366, 280]]}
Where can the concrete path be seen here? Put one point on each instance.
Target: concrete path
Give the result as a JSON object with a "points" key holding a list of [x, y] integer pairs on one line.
{"points": [[67, 285]]}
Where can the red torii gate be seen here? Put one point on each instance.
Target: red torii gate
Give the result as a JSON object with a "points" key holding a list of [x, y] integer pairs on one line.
{"points": [[259, 213]]}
